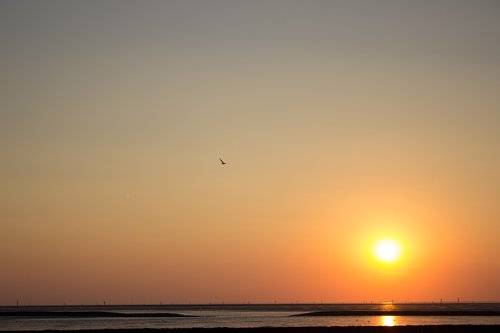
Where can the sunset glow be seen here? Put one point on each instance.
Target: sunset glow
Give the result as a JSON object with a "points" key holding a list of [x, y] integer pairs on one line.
{"points": [[387, 250], [288, 151]]}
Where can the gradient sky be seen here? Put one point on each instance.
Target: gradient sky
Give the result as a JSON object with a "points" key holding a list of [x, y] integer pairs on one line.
{"points": [[341, 122]]}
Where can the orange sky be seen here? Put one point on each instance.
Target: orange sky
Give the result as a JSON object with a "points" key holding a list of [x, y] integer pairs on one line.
{"points": [[342, 122]]}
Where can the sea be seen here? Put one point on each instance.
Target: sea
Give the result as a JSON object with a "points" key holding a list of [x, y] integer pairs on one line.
{"points": [[245, 315]]}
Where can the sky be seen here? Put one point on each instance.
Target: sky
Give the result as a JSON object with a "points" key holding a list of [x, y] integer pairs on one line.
{"points": [[341, 122]]}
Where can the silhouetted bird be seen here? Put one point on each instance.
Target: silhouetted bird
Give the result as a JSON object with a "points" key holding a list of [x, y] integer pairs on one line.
{"points": [[222, 161]]}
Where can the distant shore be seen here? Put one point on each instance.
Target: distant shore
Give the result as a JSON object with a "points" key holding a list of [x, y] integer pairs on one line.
{"points": [[334, 329], [399, 313], [86, 314], [337, 313]]}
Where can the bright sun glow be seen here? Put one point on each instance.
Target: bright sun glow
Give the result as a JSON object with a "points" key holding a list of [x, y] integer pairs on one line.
{"points": [[387, 250]]}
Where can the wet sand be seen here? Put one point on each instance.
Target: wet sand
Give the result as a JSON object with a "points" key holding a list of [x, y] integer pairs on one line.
{"points": [[352, 329]]}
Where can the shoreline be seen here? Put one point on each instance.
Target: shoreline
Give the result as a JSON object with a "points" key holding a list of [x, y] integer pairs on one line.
{"points": [[331, 329], [340, 313], [87, 314], [337, 313]]}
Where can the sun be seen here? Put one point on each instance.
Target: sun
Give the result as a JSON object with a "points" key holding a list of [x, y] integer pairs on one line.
{"points": [[387, 250]]}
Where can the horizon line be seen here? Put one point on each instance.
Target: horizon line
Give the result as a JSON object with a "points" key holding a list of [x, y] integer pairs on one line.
{"points": [[160, 304]]}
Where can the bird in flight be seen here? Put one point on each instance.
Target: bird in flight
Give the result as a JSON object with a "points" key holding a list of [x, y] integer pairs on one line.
{"points": [[223, 163]]}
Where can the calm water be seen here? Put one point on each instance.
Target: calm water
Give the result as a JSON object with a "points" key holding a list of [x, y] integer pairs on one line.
{"points": [[248, 316]]}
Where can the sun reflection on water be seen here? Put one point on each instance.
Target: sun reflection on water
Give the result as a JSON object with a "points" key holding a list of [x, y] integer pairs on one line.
{"points": [[387, 320], [387, 306]]}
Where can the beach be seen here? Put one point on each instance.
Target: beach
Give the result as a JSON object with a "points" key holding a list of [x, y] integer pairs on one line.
{"points": [[351, 329], [463, 317]]}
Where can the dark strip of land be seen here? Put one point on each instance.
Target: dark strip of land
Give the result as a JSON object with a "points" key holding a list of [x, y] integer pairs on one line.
{"points": [[107, 314], [400, 313], [84, 314], [334, 329]]}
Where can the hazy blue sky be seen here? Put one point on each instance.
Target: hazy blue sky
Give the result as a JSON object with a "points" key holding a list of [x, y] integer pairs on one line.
{"points": [[341, 121]]}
